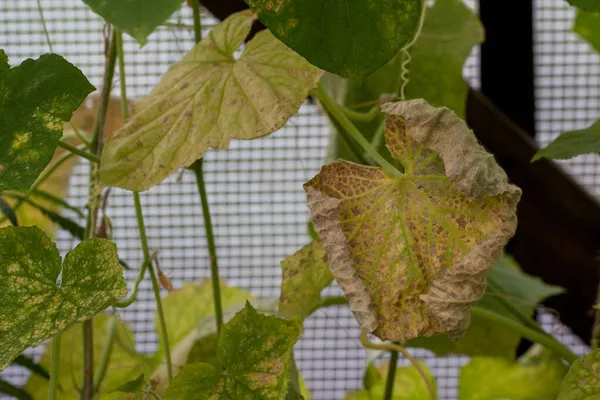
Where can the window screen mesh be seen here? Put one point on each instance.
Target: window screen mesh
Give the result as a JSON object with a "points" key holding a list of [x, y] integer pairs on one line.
{"points": [[255, 187]]}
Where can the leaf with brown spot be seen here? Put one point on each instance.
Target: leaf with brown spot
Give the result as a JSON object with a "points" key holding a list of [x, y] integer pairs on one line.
{"points": [[583, 379], [255, 353], [206, 99], [305, 275], [33, 307], [412, 252]]}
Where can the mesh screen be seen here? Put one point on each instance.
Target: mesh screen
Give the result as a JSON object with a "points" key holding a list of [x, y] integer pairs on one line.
{"points": [[255, 188]]}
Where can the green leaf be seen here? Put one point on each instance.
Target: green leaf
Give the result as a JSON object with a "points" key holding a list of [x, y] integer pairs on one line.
{"points": [[411, 252], [408, 384], [35, 98], [573, 143], [535, 377], [206, 99], [125, 364], [254, 351], [586, 5], [136, 17], [204, 350], [514, 286], [305, 275], [450, 31], [349, 38], [132, 386], [33, 307], [583, 379], [587, 25]]}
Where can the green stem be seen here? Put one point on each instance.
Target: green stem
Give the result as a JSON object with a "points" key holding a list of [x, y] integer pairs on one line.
{"points": [[361, 116], [41, 12], [75, 150], [106, 353], [122, 77], [210, 238], [197, 20], [84, 139], [328, 301], [133, 297], [54, 368], [526, 332], [87, 392], [155, 284], [391, 376], [334, 109]]}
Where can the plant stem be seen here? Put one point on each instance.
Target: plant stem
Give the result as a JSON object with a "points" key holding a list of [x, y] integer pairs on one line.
{"points": [[41, 12], [122, 77], [106, 353], [210, 238], [75, 150], [334, 109], [133, 297], [87, 392], [362, 116], [155, 285], [197, 167], [54, 368], [408, 58], [526, 332], [391, 375], [328, 301]]}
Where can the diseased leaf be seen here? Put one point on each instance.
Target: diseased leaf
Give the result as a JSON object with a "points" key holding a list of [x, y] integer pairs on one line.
{"points": [[305, 275], [351, 39], [125, 364], [206, 99], [512, 285], [449, 33], [35, 98], [136, 17], [573, 143], [408, 384], [254, 351], [533, 377], [587, 25], [583, 379], [411, 252], [32, 306], [586, 5]]}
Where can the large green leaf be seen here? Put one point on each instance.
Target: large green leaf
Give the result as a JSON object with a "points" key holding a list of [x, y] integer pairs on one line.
{"points": [[411, 252], [573, 143], [254, 352], [450, 31], [33, 307], [35, 98], [536, 377], [139, 18], [408, 384], [587, 25], [305, 275], [583, 379], [349, 38], [586, 5], [524, 292], [125, 364], [206, 99]]}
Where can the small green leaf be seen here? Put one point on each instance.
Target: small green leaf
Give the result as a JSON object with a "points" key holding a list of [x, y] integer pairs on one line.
{"points": [[586, 5], [514, 286], [206, 99], [587, 25], [408, 384], [35, 98], [305, 275], [349, 38], [125, 364], [450, 31], [33, 307], [535, 377], [573, 143], [583, 379], [132, 386], [255, 353], [136, 17]]}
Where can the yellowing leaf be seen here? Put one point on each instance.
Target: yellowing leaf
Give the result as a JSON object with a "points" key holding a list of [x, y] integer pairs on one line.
{"points": [[583, 379], [305, 275], [206, 99], [411, 252]]}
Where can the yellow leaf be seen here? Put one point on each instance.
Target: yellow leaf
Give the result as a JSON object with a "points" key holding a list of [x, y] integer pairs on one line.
{"points": [[412, 253]]}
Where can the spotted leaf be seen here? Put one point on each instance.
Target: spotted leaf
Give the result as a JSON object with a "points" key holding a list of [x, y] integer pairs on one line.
{"points": [[411, 251], [583, 379], [33, 307]]}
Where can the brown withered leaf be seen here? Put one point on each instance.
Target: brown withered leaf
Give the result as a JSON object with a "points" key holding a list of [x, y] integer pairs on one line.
{"points": [[412, 252]]}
